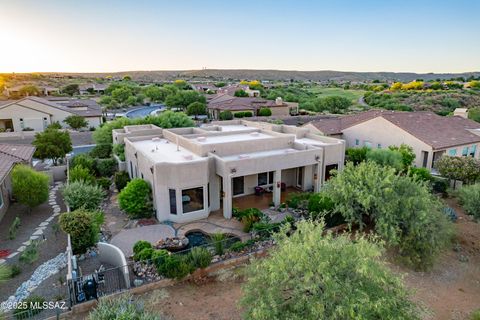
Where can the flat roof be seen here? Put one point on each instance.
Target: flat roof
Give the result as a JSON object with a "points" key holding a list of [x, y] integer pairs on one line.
{"points": [[235, 127], [211, 139], [162, 150], [313, 142], [260, 154]]}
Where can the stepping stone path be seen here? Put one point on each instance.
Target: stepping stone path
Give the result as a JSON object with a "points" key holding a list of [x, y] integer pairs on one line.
{"points": [[52, 201]]}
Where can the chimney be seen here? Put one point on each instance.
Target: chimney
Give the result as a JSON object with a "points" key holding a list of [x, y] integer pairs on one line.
{"points": [[461, 112], [279, 101]]}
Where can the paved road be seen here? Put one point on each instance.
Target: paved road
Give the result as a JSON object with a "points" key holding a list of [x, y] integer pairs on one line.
{"points": [[361, 101], [78, 139]]}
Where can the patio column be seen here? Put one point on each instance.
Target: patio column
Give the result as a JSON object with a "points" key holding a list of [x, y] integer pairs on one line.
{"points": [[227, 197], [277, 184]]}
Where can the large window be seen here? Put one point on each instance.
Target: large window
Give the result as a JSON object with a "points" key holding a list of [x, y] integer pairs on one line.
{"points": [[473, 149], [238, 186], [465, 151], [192, 199], [265, 178], [173, 201]]}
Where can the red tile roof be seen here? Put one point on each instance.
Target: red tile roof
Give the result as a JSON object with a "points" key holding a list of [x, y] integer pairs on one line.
{"points": [[11, 154]]}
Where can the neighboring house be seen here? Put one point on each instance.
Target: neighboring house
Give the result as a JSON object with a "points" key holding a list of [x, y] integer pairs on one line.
{"points": [[429, 134], [10, 155], [92, 88], [204, 88], [195, 171], [37, 113], [223, 102], [15, 91]]}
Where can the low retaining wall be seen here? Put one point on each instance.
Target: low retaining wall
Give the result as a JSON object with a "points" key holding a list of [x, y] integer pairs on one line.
{"points": [[108, 253], [122, 165]]}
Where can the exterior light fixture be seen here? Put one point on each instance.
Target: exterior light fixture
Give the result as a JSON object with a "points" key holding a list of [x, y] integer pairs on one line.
{"points": [[233, 170], [135, 155], [317, 158]]}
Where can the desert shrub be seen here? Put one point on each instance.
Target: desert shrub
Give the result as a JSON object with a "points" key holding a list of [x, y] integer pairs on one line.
{"points": [[248, 217], [104, 183], [248, 114], [136, 200], [420, 173], [29, 307], [356, 155], [218, 242], [123, 307], [102, 151], [200, 257], [158, 257], [439, 185], [140, 245], [121, 180], [385, 157], [106, 167], [333, 277], [55, 125], [405, 214], [30, 254], [264, 112], [239, 114], [76, 122], [237, 246], [264, 229], [475, 315], [15, 270], [225, 115], [119, 150], [298, 200], [83, 227], [83, 160], [320, 202], [79, 194], [173, 266], [29, 186], [144, 255], [12, 231], [79, 173], [469, 197], [407, 153]]}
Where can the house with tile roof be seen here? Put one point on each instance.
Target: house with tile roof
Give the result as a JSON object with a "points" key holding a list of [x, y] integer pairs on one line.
{"points": [[37, 113], [10, 155], [431, 136]]}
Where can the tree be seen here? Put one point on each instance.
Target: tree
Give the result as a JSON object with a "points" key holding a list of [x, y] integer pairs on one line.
{"points": [[52, 144], [385, 157], [474, 84], [183, 98], [83, 227], [155, 94], [76, 122], [29, 186], [474, 114], [196, 108], [121, 94], [79, 173], [332, 277], [264, 112], [240, 93], [136, 199], [81, 195], [404, 212], [225, 115], [29, 90], [408, 155], [464, 169], [71, 89], [181, 84], [396, 86], [169, 119], [333, 104]]}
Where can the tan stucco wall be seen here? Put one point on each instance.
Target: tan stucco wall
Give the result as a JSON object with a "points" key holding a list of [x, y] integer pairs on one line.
{"points": [[280, 111]]}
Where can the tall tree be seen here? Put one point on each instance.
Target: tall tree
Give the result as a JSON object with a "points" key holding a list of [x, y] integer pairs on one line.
{"points": [[71, 89], [52, 144], [196, 108], [76, 122]]}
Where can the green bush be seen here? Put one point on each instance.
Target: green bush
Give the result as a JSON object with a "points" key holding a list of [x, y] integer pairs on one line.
{"points": [[30, 254], [79, 173], [102, 151], [320, 202], [106, 167], [121, 180], [29, 186], [264, 112], [200, 257], [218, 241], [175, 266], [12, 231], [420, 173], [76, 122], [248, 114], [83, 160], [83, 227], [140, 245], [356, 155], [237, 246], [469, 197], [385, 157], [104, 183], [136, 199], [298, 200], [475, 315], [15, 270], [29, 307], [158, 257], [123, 307], [225, 115], [144, 255], [119, 150], [248, 217], [79, 194], [239, 114], [55, 125]]}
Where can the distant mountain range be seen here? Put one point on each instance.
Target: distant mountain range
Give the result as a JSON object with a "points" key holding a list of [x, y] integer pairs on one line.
{"points": [[274, 75]]}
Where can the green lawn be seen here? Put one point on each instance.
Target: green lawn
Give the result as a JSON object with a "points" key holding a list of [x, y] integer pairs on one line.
{"points": [[353, 95]]}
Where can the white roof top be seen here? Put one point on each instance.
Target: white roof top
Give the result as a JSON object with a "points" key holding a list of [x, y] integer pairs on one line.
{"points": [[312, 142], [235, 127], [207, 139], [260, 154], [162, 150]]}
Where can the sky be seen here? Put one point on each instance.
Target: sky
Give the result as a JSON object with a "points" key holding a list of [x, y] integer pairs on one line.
{"points": [[115, 35]]}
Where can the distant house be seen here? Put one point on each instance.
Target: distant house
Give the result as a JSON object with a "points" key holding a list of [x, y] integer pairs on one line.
{"points": [[43, 90], [10, 155], [205, 88], [224, 102], [35, 113], [92, 88], [431, 136]]}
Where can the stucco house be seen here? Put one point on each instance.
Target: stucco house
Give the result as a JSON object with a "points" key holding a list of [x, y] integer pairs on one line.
{"points": [[37, 113], [195, 171], [10, 155], [430, 135]]}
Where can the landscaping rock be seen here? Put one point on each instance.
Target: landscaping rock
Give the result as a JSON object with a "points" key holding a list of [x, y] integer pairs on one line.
{"points": [[172, 244]]}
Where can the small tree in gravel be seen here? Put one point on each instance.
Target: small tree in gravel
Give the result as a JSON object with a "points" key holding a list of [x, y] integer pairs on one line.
{"points": [[136, 199], [80, 194], [76, 122], [29, 186]]}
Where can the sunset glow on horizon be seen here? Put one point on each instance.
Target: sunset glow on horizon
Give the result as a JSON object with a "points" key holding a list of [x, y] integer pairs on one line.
{"points": [[113, 36]]}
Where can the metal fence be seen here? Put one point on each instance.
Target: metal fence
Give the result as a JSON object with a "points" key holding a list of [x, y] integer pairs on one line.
{"points": [[33, 313]]}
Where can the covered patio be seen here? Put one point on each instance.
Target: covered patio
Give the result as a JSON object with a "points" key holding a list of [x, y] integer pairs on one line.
{"points": [[261, 201]]}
